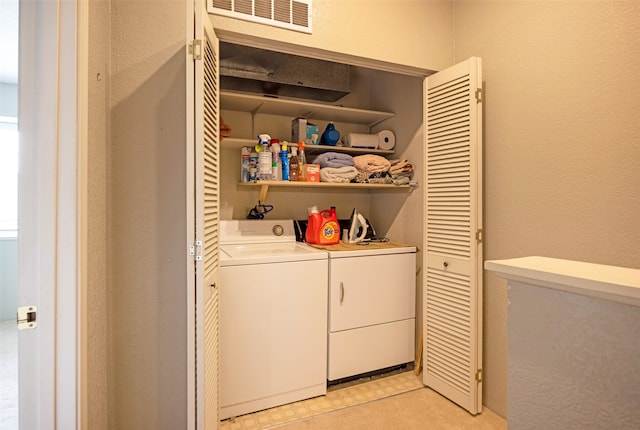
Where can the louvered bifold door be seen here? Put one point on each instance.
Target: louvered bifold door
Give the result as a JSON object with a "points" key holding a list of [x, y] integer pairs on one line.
{"points": [[207, 180], [452, 305]]}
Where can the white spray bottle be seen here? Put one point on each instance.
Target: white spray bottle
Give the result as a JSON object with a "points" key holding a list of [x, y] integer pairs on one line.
{"points": [[264, 157]]}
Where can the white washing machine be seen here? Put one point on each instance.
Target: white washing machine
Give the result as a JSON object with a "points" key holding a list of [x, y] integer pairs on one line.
{"points": [[273, 317]]}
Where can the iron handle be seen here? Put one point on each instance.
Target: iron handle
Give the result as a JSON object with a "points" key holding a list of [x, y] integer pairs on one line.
{"points": [[341, 291]]}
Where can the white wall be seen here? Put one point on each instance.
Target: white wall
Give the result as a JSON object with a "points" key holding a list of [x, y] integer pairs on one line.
{"points": [[561, 141], [8, 99]]}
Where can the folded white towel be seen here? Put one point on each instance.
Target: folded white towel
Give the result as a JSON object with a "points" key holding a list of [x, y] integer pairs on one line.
{"points": [[338, 174]]}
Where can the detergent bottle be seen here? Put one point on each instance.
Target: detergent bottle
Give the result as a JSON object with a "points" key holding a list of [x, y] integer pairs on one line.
{"points": [[323, 227]]}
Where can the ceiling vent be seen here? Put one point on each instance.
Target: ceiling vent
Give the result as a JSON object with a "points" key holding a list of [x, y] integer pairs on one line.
{"points": [[289, 14]]}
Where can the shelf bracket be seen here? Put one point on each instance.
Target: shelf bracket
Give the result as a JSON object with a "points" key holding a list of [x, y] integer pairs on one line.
{"points": [[263, 193]]}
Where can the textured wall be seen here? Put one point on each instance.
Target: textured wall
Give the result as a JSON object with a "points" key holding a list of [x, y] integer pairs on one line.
{"points": [[147, 296], [561, 141], [97, 217], [145, 309], [409, 32], [561, 157], [574, 361]]}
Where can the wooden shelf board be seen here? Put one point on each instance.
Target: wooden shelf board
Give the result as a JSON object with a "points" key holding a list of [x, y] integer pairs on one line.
{"points": [[232, 142], [230, 100], [301, 184]]}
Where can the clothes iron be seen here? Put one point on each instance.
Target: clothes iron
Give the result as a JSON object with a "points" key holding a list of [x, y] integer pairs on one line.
{"points": [[358, 228]]}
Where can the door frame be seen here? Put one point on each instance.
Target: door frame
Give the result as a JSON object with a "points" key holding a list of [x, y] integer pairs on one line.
{"points": [[52, 219]]}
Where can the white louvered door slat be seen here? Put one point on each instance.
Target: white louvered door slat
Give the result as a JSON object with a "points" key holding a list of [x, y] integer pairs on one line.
{"points": [[453, 259], [207, 196]]}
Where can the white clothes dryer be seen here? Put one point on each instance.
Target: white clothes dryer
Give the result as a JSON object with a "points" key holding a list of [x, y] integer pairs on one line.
{"points": [[372, 296]]}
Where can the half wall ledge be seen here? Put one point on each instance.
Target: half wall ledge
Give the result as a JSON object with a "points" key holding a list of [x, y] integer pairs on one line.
{"points": [[617, 284]]}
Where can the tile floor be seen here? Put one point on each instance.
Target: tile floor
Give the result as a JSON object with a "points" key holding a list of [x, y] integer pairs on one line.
{"points": [[338, 397], [421, 409]]}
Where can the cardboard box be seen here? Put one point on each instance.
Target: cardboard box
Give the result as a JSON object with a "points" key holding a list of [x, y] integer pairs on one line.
{"points": [[313, 172], [302, 130]]}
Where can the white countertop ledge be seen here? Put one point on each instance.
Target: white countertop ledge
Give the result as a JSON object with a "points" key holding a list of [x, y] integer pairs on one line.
{"points": [[618, 284]]}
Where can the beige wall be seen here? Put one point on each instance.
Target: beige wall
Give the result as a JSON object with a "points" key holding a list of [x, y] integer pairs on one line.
{"points": [[562, 145], [583, 378], [411, 32], [138, 295], [147, 323], [560, 161], [97, 364]]}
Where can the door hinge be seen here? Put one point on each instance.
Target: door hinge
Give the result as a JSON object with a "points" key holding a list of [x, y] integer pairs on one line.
{"points": [[27, 317], [195, 250], [479, 375], [479, 237], [195, 49], [479, 95]]}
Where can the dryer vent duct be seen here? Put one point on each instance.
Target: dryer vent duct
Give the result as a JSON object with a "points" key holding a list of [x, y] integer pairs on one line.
{"points": [[272, 73]]}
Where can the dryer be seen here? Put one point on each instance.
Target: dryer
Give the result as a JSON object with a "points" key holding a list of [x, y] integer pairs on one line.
{"points": [[372, 293]]}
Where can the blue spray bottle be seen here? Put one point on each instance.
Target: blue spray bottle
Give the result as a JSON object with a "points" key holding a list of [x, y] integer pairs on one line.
{"points": [[284, 155]]}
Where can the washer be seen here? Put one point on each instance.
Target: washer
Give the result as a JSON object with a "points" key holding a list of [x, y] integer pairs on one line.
{"points": [[273, 317]]}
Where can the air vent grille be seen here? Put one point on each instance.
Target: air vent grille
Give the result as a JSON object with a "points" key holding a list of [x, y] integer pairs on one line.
{"points": [[289, 14]]}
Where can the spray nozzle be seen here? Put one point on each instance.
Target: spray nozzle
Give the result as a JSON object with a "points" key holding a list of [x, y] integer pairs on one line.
{"points": [[263, 140]]}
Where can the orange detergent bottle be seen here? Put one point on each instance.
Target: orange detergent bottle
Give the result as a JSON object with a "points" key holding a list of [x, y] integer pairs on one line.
{"points": [[323, 227]]}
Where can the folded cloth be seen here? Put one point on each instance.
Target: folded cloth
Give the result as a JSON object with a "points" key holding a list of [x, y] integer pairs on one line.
{"points": [[373, 178], [403, 175], [338, 174], [400, 166], [333, 159], [401, 179], [370, 163]]}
